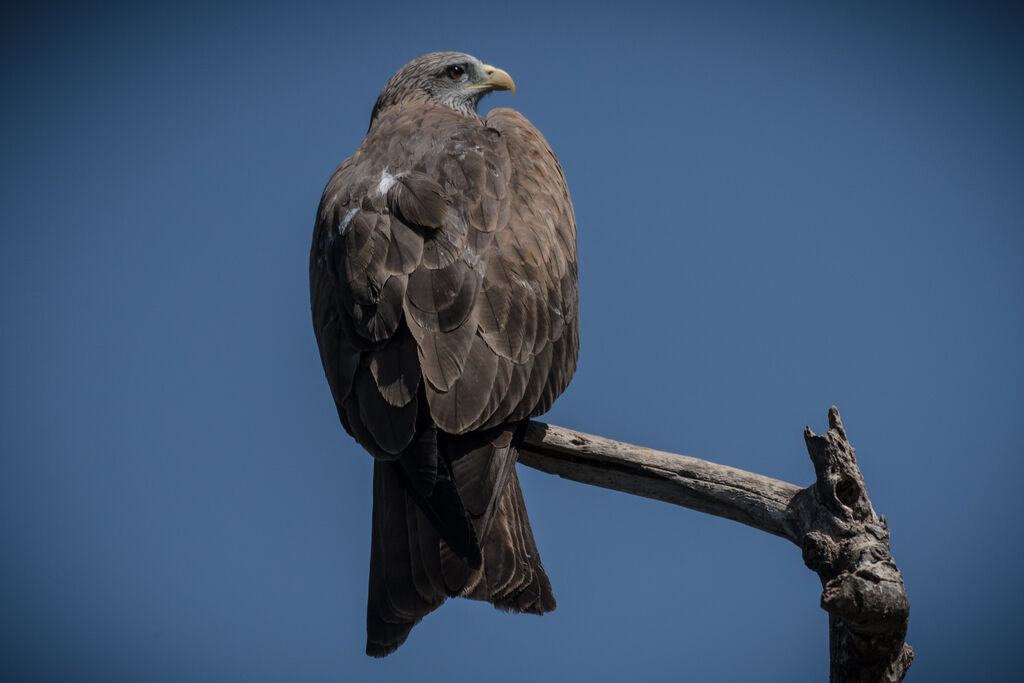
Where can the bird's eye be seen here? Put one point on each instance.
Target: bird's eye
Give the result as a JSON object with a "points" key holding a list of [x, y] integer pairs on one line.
{"points": [[455, 71]]}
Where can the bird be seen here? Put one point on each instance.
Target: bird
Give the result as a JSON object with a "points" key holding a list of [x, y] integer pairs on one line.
{"points": [[444, 298]]}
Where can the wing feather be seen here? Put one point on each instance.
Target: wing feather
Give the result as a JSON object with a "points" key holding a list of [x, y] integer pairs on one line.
{"points": [[442, 355], [441, 299], [418, 199], [405, 250], [395, 370], [379, 320], [460, 408], [391, 426]]}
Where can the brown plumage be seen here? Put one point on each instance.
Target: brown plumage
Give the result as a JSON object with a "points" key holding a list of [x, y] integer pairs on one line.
{"points": [[443, 291]]}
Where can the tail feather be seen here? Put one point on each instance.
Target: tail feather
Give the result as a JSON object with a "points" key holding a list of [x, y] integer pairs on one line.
{"points": [[396, 599], [430, 481], [424, 558], [512, 576], [413, 571]]}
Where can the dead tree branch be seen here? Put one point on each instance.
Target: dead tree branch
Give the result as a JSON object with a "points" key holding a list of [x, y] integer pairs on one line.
{"points": [[832, 521]]}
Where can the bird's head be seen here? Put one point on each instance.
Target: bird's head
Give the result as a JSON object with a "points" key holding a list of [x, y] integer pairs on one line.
{"points": [[453, 79]]}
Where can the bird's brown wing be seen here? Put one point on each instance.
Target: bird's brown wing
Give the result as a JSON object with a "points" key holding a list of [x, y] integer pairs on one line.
{"points": [[444, 259], [529, 312]]}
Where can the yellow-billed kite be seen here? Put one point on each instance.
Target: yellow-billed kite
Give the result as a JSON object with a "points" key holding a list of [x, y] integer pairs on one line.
{"points": [[444, 299]]}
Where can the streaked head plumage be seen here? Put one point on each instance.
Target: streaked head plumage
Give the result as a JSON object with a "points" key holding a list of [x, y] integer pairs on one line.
{"points": [[454, 79]]}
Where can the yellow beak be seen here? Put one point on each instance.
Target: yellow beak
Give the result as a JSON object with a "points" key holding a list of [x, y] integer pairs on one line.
{"points": [[496, 80]]}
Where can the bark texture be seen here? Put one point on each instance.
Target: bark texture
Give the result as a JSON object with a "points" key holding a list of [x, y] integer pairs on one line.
{"points": [[832, 521]]}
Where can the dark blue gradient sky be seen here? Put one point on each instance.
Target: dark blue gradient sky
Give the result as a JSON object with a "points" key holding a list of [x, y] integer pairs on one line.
{"points": [[780, 208]]}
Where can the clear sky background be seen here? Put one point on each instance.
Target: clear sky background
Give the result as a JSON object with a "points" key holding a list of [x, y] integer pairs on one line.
{"points": [[780, 208]]}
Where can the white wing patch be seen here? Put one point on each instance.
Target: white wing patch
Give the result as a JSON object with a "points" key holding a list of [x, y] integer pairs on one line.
{"points": [[525, 284], [386, 181], [343, 226]]}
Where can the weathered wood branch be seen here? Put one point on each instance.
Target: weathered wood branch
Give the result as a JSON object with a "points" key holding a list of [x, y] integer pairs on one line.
{"points": [[832, 520]]}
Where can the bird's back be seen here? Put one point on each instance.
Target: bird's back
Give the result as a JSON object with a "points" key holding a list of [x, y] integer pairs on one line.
{"points": [[443, 290]]}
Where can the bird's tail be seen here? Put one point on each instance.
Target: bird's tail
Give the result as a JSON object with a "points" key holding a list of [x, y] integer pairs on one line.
{"points": [[413, 570]]}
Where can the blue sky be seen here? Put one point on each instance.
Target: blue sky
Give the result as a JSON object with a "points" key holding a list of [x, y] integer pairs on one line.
{"points": [[779, 208]]}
